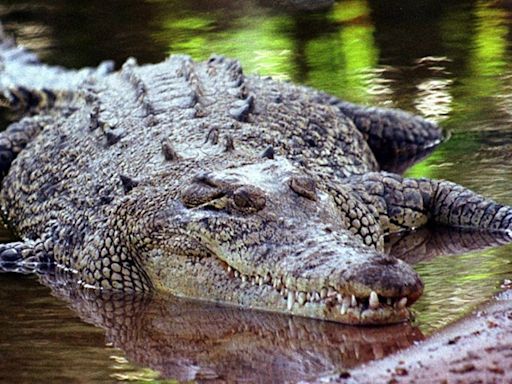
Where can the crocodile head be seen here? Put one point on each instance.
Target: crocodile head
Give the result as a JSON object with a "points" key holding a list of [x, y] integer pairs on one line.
{"points": [[263, 236]]}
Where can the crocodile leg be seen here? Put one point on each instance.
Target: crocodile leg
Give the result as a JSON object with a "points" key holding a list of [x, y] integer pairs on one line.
{"points": [[397, 138], [16, 137], [404, 203], [24, 256]]}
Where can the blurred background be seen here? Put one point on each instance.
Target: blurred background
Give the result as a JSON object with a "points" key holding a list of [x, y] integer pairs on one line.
{"points": [[449, 61]]}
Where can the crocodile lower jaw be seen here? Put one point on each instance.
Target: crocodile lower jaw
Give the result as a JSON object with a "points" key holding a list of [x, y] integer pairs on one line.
{"points": [[328, 303], [211, 279]]}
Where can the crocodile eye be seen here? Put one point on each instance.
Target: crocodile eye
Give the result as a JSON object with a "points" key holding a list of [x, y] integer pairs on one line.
{"points": [[304, 186], [201, 191], [247, 199]]}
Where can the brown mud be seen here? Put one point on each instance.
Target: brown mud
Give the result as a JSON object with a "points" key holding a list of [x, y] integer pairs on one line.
{"points": [[476, 349]]}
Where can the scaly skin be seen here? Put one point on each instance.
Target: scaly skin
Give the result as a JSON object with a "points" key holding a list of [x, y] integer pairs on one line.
{"points": [[201, 182]]}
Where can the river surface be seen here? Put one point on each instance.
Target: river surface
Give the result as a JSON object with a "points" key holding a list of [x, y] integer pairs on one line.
{"points": [[447, 60]]}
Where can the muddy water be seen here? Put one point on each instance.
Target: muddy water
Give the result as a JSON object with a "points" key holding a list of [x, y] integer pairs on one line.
{"points": [[449, 61]]}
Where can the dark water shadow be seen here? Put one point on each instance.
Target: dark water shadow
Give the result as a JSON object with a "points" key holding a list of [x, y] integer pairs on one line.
{"points": [[427, 243], [188, 340]]}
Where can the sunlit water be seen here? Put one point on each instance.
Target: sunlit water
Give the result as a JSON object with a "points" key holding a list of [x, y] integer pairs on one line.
{"points": [[449, 61]]}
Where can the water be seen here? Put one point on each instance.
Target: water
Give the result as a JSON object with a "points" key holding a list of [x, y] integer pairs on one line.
{"points": [[449, 61]]}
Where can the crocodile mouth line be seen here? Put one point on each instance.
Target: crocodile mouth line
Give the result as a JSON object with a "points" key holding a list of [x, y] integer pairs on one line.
{"points": [[326, 296]]}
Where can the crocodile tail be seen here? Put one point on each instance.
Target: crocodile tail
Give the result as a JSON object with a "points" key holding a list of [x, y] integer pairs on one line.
{"points": [[27, 84], [16, 137]]}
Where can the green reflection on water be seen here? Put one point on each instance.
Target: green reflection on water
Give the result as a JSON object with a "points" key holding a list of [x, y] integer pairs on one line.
{"points": [[343, 63], [257, 41], [490, 45], [350, 10], [456, 285], [477, 85]]}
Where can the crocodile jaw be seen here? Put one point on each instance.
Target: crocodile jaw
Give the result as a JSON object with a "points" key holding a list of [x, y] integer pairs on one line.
{"points": [[331, 281], [211, 279]]}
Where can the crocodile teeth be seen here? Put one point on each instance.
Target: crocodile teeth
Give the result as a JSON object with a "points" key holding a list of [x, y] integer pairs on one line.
{"points": [[374, 300], [316, 296], [323, 293], [353, 301], [339, 297], [301, 297], [229, 268], [344, 308], [291, 300], [402, 303]]}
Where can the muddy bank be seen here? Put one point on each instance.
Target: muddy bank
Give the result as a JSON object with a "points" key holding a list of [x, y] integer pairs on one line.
{"points": [[477, 349]]}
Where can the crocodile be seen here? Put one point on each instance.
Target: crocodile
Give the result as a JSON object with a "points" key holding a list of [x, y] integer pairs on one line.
{"points": [[193, 179]]}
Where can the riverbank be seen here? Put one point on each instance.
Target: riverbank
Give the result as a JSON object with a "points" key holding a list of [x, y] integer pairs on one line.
{"points": [[476, 349]]}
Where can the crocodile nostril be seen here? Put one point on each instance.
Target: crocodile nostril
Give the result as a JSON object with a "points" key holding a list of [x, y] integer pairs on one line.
{"points": [[304, 186]]}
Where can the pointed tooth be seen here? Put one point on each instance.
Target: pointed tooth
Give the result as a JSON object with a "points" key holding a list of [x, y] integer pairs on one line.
{"points": [[260, 281], [301, 297], [244, 278], [339, 297], [373, 300], [388, 301], [316, 296], [309, 296], [323, 293], [229, 268], [267, 278], [344, 308], [353, 301], [402, 303], [291, 300], [331, 292], [237, 274]]}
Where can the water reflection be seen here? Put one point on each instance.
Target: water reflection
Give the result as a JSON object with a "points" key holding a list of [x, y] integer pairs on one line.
{"points": [[427, 243], [461, 269], [448, 60], [194, 341]]}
